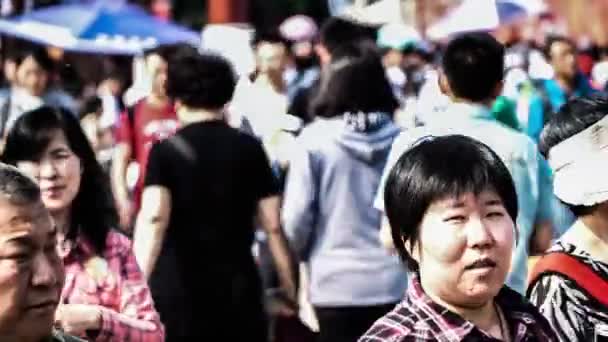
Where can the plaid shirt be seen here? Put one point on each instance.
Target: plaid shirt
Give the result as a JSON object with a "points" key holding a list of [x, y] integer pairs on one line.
{"points": [[115, 283], [418, 318]]}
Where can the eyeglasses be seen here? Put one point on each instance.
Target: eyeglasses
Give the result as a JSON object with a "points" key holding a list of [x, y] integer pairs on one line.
{"points": [[58, 162]]}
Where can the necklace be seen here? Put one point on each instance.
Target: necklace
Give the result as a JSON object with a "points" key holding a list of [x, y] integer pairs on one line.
{"points": [[504, 328]]}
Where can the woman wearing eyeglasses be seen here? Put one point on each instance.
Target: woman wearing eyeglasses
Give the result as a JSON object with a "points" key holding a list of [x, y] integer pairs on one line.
{"points": [[105, 296]]}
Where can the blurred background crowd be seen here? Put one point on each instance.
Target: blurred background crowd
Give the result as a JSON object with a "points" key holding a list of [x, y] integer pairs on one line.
{"points": [[107, 64]]}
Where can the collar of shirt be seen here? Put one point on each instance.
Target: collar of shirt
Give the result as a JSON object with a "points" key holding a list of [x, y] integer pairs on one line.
{"points": [[458, 111], [78, 249], [446, 325], [438, 319], [558, 96]]}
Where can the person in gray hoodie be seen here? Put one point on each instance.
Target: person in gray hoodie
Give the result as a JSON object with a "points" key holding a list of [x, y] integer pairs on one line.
{"points": [[327, 209]]}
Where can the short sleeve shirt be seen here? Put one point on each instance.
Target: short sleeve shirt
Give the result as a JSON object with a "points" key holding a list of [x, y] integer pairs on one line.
{"points": [[147, 126], [216, 175]]}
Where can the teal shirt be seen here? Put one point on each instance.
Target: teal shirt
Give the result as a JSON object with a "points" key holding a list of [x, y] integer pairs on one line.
{"points": [[504, 112], [557, 98], [562, 218]]}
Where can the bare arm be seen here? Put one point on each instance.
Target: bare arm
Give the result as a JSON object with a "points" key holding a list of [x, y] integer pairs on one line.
{"points": [[151, 226], [541, 239], [269, 218], [122, 156]]}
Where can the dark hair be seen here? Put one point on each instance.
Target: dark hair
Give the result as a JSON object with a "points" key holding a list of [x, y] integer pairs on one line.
{"points": [[355, 81], [272, 36], [93, 211], [92, 104], [115, 73], [473, 64], [433, 169], [336, 32], [200, 80], [572, 118], [16, 187], [39, 54], [164, 51], [550, 40]]}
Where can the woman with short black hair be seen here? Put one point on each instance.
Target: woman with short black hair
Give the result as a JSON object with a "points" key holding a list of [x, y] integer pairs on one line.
{"points": [[451, 204]]}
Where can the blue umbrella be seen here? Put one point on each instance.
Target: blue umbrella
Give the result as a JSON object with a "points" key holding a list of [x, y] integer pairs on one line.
{"points": [[508, 11], [97, 28]]}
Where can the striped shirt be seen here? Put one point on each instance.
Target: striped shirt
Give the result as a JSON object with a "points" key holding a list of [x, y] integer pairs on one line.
{"points": [[575, 315]]}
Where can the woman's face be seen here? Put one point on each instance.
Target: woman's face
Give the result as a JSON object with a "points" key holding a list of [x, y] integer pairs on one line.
{"points": [[464, 250], [58, 173]]}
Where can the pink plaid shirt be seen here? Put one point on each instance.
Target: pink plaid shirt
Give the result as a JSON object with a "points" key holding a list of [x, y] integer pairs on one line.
{"points": [[116, 284]]}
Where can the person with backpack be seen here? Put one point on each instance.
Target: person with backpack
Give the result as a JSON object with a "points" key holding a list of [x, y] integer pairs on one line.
{"points": [[151, 119], [569, 284]]}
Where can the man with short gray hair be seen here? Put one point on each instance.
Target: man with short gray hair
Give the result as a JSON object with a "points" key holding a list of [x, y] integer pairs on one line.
{"points": [[31, 272]]}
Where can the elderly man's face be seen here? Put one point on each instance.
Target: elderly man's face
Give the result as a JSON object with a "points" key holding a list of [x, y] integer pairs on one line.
{"points": [[31, 272]]}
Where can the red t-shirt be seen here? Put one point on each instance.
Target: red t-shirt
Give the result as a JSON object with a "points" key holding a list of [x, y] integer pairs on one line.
{"points": [[149, 125]]}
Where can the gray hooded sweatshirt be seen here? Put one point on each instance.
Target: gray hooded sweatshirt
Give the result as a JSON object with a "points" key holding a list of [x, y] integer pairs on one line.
{"points": [[328, 212]]}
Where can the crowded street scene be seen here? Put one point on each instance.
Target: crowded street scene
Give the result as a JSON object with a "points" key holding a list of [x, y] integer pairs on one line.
{"points": [[304, 170]]}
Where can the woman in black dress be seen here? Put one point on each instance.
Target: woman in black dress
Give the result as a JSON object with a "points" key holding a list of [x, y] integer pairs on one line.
{"points": [[204, 187]]}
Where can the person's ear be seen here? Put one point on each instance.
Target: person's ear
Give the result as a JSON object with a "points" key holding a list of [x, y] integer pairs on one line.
{"points": [[444, 85], [323, 53], [414, 250]]}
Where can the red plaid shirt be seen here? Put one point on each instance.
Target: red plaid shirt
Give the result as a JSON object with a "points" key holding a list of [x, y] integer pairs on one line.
{"points": [[418, 319], [116, 284]]}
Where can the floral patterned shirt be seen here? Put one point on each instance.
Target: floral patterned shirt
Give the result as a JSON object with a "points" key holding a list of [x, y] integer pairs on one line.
{"points": [[115, 283]]}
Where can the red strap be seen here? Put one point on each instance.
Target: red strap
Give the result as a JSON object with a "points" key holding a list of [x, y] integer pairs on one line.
{"points": [[571, 267]]}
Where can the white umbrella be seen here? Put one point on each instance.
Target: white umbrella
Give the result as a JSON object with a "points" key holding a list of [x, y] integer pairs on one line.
{"points": [[378, 13], [470, 15], [232, 42]]}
